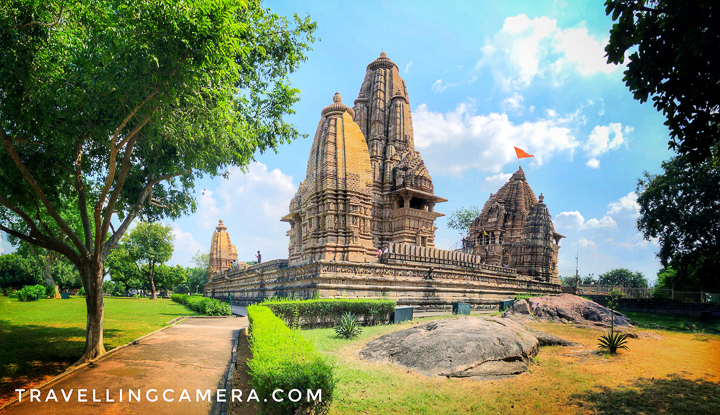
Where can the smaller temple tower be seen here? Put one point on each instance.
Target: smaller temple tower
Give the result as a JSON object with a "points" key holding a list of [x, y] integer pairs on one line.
{"points": [[330, 214], [536, 253], [222, 251]]}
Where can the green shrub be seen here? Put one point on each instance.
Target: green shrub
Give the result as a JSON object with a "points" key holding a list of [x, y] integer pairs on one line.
{"points": [[524, 296], [348, 327], [6, 291], [203, 305], [81, 292], [31, 292], [50, 291], [328, 312], [284, 359]]}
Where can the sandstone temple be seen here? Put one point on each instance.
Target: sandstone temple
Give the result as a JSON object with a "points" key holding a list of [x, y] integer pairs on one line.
{"points": [[366, 187]]}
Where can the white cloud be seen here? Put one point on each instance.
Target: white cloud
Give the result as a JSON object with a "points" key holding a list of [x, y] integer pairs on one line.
{"points": [[438, 87], [527, 48], [494, 182], [593, 163], [459, 140], [574, 220], [627, 202], [604, 138], [513, 103], [585, 243], [185, 246], [251, 205], [637, 241], [407, 67]]}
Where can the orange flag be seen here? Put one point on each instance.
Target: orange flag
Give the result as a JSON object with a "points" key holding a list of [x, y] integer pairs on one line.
{"points": [[522, 154]]}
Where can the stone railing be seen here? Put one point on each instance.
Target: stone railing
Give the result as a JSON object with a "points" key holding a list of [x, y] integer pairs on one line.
{"points": [[400, 253]]}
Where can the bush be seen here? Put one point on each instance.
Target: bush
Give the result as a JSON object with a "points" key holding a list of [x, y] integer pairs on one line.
{"points": [[348, 326], [81, 292], [284, 359], [6, 291], [524, 296], [50, 291], [327, 313], [31, 292], [203, 305]]}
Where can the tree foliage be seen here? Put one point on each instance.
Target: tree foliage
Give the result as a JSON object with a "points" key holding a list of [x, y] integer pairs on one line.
{"points": [[461, 219], [676, 61], [119, 106], [681, 208], [623, 277]]}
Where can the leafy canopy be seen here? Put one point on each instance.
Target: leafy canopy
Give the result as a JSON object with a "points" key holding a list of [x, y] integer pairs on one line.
{"points": [[681, 208], [673, 46], [624, 277], [461, 219]]}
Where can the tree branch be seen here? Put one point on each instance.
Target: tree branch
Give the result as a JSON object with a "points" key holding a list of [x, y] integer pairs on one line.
{"points": [[82, 198], [34, 23], [38, 191], [138, 205]]}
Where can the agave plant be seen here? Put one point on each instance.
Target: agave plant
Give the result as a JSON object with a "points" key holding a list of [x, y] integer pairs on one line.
{"points": [[348, 327], [613, 340]]}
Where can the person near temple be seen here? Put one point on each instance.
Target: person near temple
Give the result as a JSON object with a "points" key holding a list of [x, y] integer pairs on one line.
{"points": [[259, 257]]}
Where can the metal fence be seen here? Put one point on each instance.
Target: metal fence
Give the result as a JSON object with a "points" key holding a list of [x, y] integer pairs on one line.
{"points": [[653, 293]]}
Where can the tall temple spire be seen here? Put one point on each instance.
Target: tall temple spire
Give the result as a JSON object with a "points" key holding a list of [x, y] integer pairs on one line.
{"points": [[222, 251]]}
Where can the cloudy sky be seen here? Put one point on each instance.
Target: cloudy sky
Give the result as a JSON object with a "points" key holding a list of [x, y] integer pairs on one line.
{"points": [[483, 76]]}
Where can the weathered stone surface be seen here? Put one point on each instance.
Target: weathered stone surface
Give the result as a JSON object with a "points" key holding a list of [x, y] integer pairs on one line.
{"points": [[478, 347], [566, 308], [644, 335]]}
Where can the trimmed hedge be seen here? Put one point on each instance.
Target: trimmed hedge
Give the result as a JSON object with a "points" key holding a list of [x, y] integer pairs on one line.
{"points": [[203, 305], [284, 359], [31, 292], [328, 312]]}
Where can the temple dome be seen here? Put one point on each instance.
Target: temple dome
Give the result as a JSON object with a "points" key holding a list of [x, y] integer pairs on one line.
{"points": [[222, 251]]}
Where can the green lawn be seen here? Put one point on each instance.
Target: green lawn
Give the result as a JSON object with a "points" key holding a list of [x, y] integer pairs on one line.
{"points": [[654, 321], [39, 339], [675, 375]]}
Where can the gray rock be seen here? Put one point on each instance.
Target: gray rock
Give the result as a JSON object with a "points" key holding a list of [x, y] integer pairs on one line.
{"points": [[478, 347], [566, 308]]}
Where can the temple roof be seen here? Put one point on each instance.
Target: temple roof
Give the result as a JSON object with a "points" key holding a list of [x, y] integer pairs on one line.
{"points": [[516, 195]]}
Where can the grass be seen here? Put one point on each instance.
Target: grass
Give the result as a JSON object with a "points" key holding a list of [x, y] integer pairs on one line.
{"points": [[40, 339], [675, 375], [653, 321]]}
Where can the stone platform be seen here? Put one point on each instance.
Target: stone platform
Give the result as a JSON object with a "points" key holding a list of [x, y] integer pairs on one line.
{"points": [[426, 282]]}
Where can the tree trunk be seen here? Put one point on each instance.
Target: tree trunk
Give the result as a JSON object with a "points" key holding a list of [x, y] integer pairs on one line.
{"points": [[94, 346], [49, 262], [152, 287]]}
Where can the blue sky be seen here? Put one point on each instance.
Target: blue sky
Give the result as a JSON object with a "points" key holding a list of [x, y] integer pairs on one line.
{"points": [[482, 76]]}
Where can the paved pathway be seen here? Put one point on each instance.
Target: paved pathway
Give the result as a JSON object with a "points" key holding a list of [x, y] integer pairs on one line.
{"points": [[192, 355], [239, 310]]}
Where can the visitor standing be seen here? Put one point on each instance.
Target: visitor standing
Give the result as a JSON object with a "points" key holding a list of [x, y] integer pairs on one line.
{"points": [[259, 257], [379, 252], [385, 250]]}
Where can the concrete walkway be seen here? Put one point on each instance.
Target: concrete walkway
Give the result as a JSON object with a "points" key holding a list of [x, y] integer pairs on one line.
{"points": [[193, 355], [239, 310]]}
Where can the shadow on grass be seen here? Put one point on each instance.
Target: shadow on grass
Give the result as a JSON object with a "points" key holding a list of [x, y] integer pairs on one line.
{"points": [[30, 354], [672, 395]]}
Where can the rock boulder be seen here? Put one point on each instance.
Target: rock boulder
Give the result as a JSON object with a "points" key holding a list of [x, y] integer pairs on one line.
{"points": [[566, 308], [478, 347]]}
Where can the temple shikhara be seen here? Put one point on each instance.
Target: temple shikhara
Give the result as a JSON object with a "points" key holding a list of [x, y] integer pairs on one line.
{"points": [[366, 188]]}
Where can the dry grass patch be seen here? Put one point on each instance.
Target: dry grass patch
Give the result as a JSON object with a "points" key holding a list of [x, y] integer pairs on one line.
{"points": [[562, 380]]}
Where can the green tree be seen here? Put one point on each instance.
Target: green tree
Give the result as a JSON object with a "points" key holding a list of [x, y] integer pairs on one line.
{"points": [[681, 208], [167, 277], [461, 219], [675, 61], [120, 105], [623, 277], [148, 246], [16, 271], [197, 276]]}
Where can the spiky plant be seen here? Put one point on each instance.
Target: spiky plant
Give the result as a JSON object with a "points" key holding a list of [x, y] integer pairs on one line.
{"points": [[613, 340], [348, 327]]}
